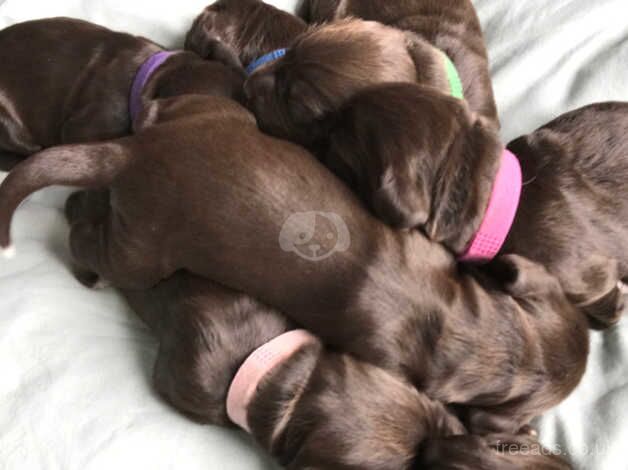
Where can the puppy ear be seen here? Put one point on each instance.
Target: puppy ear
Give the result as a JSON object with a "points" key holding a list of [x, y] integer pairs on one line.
{"points": [[420, 159], [213, 49], [306, 102], [209, 47], [377, 145], [463, 186]]}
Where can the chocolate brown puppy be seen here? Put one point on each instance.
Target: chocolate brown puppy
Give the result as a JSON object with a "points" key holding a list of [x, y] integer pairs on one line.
{"points": [[251, 28], [262, 216], [450, 25], [312, 72], [293, 95], [316, 409], [438, 175], [347, 413], [68, 81]]}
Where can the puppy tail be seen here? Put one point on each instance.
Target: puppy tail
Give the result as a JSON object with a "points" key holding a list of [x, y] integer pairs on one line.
{"points": [[86, 165], [490, 452]]}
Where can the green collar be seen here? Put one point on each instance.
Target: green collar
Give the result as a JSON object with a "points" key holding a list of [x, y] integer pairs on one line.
{"points": [[455, 83]]}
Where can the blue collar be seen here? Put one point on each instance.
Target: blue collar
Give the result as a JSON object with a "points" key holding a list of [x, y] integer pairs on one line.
{"points": [[257, 63]]}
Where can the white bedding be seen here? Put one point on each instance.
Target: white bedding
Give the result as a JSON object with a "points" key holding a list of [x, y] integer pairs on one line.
{"points": [[75, 390]]}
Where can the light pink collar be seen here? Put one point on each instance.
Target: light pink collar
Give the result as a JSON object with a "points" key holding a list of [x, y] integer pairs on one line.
{"points": [[500, 213], [255, 368]]}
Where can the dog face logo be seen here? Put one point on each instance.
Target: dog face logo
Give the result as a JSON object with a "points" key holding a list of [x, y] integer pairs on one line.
{"points": [[314, 235]]}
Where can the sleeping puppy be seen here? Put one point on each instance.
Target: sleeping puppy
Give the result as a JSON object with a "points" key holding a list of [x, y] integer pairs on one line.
{"points": [[236, 206], [452, 26], [439, 175], [313, 72], [68, 81], [321, 409], [314, 409], [251, 28]]}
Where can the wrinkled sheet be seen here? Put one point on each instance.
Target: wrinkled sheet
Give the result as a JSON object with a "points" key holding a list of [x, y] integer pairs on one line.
{"points": [[75, 365]]}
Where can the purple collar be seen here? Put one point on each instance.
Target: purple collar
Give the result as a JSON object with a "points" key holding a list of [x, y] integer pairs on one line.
{"points": [[143, 74], [500, 213]]}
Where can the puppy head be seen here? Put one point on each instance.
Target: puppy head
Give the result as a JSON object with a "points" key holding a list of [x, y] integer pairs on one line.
{"points": [[250, 28], [205, 332], [561, 332], [348, 415], [323, 68], [419, 158]]}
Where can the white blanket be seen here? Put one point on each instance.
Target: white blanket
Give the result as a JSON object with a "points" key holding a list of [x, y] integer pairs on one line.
{"points": [[75, 365]]}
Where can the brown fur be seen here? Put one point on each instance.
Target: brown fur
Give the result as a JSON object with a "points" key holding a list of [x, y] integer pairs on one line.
{"points": [[68, 81], [450, 25], [332, 411], [436, 174], [323, 67], [251, 28], [201, 188], [317, 410], [292, 97]]}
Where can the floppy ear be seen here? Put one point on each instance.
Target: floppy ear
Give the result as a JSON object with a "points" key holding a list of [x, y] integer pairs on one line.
{"points": [[418, 158], [209, 47], [305, 101], [428, 62], [378, 146], [463, 186]]}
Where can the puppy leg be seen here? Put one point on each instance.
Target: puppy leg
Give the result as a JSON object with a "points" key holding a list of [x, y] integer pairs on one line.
{"points": [[14, 137], [91, 124], [125, 261], [88, 206]]}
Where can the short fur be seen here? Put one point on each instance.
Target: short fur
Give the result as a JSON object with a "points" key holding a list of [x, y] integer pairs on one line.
{"points": [[323, 67], [450, 25], [294, 96], [332, 410], [437, 175], [68, 81], [201, 188], [251, 28]]}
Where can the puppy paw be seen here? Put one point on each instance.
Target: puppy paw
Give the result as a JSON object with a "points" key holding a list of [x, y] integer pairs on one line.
{"points": [[89, 279]]}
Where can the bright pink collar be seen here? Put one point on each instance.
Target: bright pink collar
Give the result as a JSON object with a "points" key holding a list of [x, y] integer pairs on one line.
{"points": [[255, 368], [500, 213]]}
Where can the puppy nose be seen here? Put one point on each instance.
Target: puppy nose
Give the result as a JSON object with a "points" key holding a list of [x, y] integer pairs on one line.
{"points": [[315, 247]]}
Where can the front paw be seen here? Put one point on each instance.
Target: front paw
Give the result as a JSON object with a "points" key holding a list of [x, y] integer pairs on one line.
{"points": [[89, 279]]}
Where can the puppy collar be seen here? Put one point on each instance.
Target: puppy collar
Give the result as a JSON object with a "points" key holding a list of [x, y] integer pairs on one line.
{"points": [[256, 367], [500, 213], [455, 83], [141, 78], [266, 58]]}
